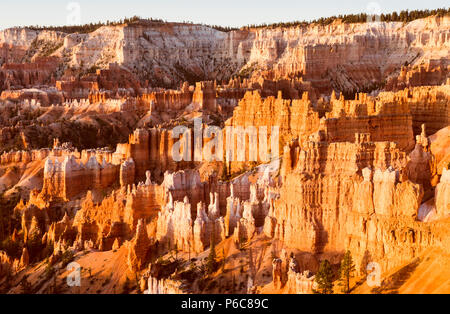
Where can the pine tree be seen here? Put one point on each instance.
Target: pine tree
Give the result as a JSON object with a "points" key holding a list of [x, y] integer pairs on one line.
{"points": [[26, 286], [224, 259], [324, 279], [233, 283], [137, 283], [189, 251], [55, 286], [126, 286], [211, 263], [346, 272]]}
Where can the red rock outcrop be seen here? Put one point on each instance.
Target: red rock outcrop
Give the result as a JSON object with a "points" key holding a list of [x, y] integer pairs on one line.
{"points": [[24, 258], [114, 80], [163, 286], [205, 96], [327, 208], [6, 265], [178, 224], [150, 150], [282, 120], [69, 178], [138, 248], [164, 100], [61, 231], [384, 119], [127, 172], [440, 148], [429, 106], [421, 167], [435, 72], [24, 75], [44, 97]]}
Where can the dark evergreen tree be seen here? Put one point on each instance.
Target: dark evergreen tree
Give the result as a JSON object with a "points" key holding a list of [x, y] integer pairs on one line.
{"points": [[404, 16], [346, 272], [324, 278], [211, 263]]}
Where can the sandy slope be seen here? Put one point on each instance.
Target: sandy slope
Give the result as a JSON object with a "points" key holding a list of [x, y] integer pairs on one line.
{"points": [[26, 176], [427, 274]]}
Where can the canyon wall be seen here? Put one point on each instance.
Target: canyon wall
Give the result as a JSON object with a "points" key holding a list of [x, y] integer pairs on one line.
{"points": [[339, 196], [344, 57]]}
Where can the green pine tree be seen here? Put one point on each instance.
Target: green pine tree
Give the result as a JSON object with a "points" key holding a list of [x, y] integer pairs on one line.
{"points": [[211, 264], [324, 278], [346, 272]]}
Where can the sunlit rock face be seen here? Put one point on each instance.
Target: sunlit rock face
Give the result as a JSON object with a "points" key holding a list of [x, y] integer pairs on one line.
{"points": [[333, 196], [138, 248], [339, 56], [70, 177], [442, 195]]}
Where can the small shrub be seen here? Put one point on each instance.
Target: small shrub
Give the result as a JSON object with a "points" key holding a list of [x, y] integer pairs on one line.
{"points": [[67, 257]]}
